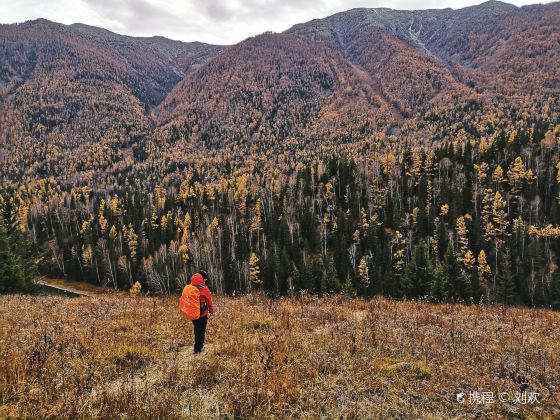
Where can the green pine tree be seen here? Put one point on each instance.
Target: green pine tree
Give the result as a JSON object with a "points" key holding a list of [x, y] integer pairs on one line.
{"points": [[418, 274], [457, 283], [309, 278], [535, 264], [348, 288], [437, 289], [333, 283], [12, 274], [506, 291]]}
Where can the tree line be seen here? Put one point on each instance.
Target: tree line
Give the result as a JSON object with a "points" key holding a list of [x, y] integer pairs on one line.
{"points": [[465, 222]]}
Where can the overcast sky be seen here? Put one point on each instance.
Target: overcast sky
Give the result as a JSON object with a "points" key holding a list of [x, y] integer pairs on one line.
{"points": [[212, 21]]}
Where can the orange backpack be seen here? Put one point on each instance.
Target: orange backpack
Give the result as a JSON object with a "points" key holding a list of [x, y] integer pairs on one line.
{"points": [[189, 304]]}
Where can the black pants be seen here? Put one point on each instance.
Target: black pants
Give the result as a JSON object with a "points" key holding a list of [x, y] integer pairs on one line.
{"points": [[199, 332]]}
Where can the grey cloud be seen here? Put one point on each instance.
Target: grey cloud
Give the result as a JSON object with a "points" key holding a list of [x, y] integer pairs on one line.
{"points": [[216, 10], [214, 21], [142, 18], [261, 9], [133, 15]]}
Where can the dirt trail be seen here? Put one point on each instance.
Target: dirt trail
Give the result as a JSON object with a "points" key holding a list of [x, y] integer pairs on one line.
{"points": [[148, 377], [74, 288], [62, 289]]}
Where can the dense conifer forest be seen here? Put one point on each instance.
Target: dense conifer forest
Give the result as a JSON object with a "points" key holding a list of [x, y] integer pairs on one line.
{"points": [[465, 222]]}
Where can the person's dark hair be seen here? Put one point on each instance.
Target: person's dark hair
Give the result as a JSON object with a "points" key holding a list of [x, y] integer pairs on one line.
{"points": [[204, 274]]}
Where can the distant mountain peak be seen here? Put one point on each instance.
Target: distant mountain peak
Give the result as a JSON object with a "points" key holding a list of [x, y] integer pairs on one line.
{"points": [[492, 5], [39, 22]]}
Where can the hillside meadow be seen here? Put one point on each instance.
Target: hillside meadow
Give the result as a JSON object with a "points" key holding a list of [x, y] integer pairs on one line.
{"points": [[120, 356]]}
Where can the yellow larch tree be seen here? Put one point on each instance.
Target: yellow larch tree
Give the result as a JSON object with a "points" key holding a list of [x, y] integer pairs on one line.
{"points": [[465, 254], [115, 206], [363, 272], [484, 271], [131, 240], [516, 175], [185, 226], [254, 270], [101, 216], [496, 226], [498, 176]]}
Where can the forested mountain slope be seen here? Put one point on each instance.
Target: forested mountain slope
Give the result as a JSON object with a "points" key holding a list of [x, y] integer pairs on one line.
{"points": [[87, 105], [495, 43], [477, 65], [371, 78], [73, 98], [272, 99]]}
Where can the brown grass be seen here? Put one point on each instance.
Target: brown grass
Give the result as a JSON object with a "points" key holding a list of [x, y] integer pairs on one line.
{"points": [[114, 356]]}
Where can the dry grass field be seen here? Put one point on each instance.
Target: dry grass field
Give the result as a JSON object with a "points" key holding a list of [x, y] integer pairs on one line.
{"points": [[122, 356]]}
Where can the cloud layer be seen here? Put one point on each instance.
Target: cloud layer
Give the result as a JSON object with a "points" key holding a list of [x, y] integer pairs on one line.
{"points": [[213, 21]]}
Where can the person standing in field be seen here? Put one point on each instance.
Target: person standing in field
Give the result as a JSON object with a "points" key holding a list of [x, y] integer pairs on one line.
{"points": [[196, 304]]}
